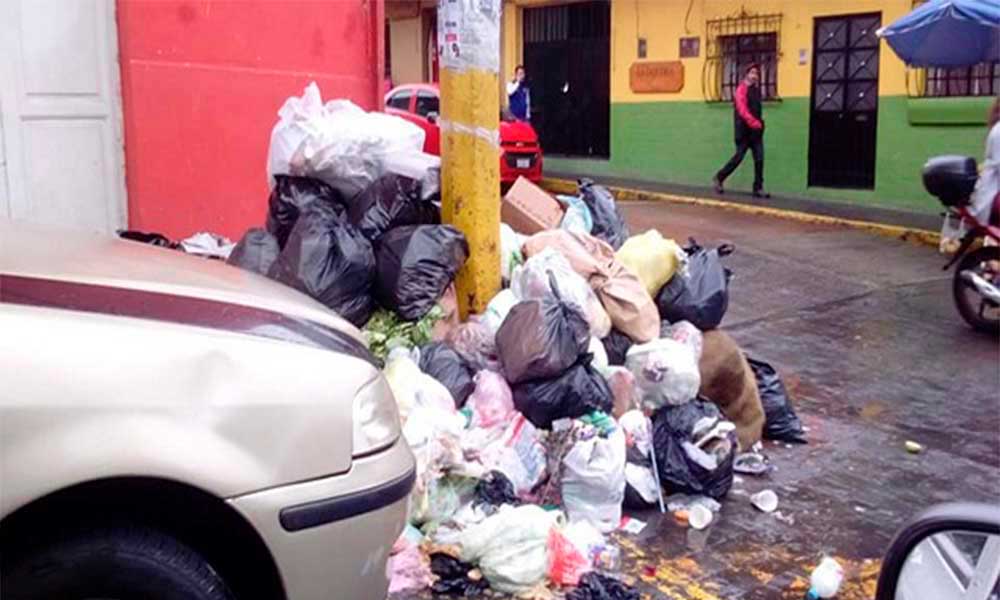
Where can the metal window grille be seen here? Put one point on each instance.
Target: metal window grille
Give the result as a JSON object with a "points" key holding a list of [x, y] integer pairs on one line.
{"points": [[978, 80], [733, 44]]}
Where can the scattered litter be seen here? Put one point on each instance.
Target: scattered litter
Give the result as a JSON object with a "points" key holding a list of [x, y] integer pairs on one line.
{"points": [[699, 517], [751, 463], [913, 447], [765, 500], [825, 580], [632, 525], [786, 519], [208, 245]]}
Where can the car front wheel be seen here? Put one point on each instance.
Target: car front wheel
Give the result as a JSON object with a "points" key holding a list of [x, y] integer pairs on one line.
{"points": [[120, 562]]}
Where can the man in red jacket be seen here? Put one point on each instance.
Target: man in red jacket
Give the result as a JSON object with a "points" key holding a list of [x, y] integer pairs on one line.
{"points": [[749, 129]]}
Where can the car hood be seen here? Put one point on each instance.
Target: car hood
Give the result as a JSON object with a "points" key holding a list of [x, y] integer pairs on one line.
{"points": [[35, 251], [517, 131]]}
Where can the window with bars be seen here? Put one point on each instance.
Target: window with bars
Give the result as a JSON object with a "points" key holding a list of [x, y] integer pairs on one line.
{"points": [[979, 80], [733, 44], [741, 51]]}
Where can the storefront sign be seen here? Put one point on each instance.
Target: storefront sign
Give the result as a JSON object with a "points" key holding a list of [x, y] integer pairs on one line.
{"points": [[656, 77]]}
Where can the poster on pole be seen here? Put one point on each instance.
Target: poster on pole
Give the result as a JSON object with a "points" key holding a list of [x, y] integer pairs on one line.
{"points": [[469, 34]]}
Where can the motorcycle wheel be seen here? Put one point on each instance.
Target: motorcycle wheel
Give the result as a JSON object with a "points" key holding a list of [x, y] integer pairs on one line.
{"points": [[979, 313]]}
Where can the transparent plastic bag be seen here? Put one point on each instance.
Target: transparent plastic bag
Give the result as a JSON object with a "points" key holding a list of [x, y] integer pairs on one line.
{"points": [[510, 251], [338, 143], [532, 280], [666, 373], [577, 215], [510, 547]]}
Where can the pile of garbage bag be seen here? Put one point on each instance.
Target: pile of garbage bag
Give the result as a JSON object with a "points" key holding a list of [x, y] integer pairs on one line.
{"points": [[596, 380]]}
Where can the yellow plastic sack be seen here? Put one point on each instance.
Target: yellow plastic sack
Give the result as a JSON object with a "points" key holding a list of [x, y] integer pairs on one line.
{"points": [[651, 257]]}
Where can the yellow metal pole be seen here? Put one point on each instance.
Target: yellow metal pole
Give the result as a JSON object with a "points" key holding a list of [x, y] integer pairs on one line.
{"points": [[469, 51]]}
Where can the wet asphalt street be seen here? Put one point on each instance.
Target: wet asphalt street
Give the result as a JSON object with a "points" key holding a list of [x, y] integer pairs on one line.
{"points": [[864, 332]]}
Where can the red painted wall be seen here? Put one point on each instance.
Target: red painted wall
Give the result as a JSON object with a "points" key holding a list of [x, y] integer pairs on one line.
{"points": [[202, 82]]}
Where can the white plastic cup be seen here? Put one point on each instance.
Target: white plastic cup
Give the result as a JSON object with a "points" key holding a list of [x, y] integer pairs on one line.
{"points": [[766, 501], [699, 516]]}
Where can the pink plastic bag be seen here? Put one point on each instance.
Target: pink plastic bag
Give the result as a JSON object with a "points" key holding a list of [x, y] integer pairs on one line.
{"points": [[491, 402], [567, 562], [409, 570]]}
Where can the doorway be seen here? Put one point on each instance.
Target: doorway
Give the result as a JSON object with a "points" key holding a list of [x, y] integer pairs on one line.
{"points": [[567, 57], [844, 103]]}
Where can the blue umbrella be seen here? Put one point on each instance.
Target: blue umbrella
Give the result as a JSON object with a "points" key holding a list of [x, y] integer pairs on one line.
{"points": [[947, 33]]}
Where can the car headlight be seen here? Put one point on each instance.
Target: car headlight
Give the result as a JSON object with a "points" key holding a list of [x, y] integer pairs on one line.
{"points": [[376, 418]]}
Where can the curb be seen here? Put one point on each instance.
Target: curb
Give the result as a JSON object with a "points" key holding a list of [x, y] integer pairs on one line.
{"points": [[622, 194]]}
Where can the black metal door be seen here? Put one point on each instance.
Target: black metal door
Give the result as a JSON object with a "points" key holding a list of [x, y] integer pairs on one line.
{"points": [[844, 114], [567, 57]]}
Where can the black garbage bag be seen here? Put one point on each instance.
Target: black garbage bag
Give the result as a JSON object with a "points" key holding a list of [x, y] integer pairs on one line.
{"points": [[453, 577], [391, 201], [329, 260], [290, 196], [415, 266], [598, 586], [256, 252], [574, 393], [541, 337], [495, 490], [442, 362], [609, 222], [780, 421], [702, 296], [616, 344], [679, 472], [151, 238]]}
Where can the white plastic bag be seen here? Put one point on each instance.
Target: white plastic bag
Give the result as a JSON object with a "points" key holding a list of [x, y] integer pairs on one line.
{"points": [[412, 387], [577, 217], [519, 454], [497, 309], [687, 334], [338, 143], [600, 360], [666, 372], [531, 280], [593, 484], [510, 250], [510, 546]]}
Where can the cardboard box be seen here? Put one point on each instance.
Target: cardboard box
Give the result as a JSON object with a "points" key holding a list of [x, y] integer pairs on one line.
{"points": [[529, 209]]}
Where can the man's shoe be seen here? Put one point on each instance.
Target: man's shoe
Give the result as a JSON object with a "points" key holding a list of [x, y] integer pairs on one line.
{"points": [[761, 194], [717, 185]]}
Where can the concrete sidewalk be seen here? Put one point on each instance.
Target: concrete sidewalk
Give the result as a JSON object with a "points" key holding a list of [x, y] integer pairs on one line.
{"points": [[840, 211]]}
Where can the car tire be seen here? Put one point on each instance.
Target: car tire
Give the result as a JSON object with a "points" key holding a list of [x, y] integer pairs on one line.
{"points": [[119, 562]]}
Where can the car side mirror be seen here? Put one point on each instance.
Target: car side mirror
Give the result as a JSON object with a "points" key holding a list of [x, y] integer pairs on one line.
{"points": [[948, 551], [432, 117]]}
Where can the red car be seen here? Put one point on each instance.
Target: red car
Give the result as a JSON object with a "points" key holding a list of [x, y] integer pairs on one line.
{"points": [[520, 153]]}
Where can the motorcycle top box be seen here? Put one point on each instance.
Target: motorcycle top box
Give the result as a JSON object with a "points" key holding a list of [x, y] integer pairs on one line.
{"points": [[951, 179]]}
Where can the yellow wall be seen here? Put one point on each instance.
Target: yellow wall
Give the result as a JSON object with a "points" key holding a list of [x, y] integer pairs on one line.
{"points": [[662, 23], [406, 49]]}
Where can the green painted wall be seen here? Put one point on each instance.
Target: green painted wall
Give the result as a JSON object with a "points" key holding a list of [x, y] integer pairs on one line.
{"points": [[687, 142]]}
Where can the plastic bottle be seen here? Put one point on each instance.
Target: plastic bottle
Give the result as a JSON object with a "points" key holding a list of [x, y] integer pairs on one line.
{"points": [[825, 579]]}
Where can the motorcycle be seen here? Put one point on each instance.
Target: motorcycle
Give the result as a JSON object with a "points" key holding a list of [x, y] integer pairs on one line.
{"points": [[976, 284]]}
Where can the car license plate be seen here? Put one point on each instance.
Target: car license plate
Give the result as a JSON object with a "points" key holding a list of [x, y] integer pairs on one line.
{"points": [[523, 163]]}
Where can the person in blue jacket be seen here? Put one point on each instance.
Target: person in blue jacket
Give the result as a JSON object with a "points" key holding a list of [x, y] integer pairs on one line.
{"points": [[519, 96]]}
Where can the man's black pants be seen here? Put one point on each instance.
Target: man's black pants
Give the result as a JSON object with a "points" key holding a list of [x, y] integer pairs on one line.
{"points": [[756, 145]]}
